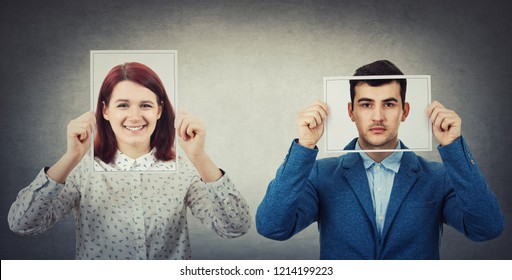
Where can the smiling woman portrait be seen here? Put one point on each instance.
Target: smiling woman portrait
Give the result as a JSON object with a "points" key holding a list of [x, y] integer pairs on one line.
{"points": [[134, 115], [138, 214]]}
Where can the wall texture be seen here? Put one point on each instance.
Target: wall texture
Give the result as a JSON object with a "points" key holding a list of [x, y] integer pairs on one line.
{"points": [[246, 68]]}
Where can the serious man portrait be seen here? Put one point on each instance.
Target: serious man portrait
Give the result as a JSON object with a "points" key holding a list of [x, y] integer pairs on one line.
{"points": [[375, 204]]}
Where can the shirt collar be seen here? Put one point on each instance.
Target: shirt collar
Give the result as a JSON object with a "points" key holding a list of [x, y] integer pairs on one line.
{"points": [[392, 162], [126, 163]]}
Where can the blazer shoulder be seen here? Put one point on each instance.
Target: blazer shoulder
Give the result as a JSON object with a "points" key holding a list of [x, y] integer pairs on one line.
{"points": [[330, 161], [331, 164], [429, 166]]}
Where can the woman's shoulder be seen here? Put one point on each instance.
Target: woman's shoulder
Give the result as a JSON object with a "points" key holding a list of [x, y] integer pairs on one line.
{"points": [[159, 165]]}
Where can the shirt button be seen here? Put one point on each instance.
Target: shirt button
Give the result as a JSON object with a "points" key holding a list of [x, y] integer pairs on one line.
{"points": [[379, 189], [381, 218], [377, 167]]}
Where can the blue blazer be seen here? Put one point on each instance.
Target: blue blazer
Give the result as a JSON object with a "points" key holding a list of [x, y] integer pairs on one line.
{"points": [[335, 193]]}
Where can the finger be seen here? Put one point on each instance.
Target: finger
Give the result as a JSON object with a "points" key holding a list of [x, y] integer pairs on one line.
{"points": [[83, 137], [92, 122], [312, 116], [322, 109], [90, 127], [86, 125], [433, 106], [182, 132], [79, 130], [191, 130], [449, 121], [178, 123], [446, 124], [195, 127], [309, 121], [322, 105], [315, 119], [436, 115], [444, 118], [319, 114], [439, 118]]}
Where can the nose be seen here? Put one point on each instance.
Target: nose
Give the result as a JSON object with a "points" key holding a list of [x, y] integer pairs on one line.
{"points": [[377, 114], [134, 113]]}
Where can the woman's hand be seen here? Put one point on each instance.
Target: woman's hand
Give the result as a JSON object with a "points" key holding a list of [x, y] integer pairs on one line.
{"points": [[79, 135], [191, 136]]}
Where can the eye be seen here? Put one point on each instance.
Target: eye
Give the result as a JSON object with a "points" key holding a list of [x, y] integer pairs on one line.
{"points": [[146, 106], [122, 105], [390, 104], [365, 105]]}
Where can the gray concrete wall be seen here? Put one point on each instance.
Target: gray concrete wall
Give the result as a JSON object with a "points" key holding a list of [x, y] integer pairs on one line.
{"points": [[246, 68]]}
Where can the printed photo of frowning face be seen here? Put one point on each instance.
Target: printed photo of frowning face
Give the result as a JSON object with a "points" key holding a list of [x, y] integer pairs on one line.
{"points": [[378, 114]]}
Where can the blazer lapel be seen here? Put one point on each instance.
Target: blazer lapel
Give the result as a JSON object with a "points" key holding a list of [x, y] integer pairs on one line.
{"points": [[356, 176], [403, 183]]}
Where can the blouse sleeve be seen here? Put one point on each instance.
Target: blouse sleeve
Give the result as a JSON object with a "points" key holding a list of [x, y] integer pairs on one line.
{"points": [[40, 205], [219, 206]]}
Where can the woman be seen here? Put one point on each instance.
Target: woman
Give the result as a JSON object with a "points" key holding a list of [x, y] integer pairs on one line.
{"points": [[132, 215]]}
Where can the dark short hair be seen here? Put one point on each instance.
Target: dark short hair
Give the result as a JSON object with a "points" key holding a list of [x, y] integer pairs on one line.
{"points": [[105, 144], [378, 68]]}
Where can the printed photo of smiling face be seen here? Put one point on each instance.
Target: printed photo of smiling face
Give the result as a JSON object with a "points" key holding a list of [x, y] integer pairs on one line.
{"points": [[132, 112], [135, 122]]}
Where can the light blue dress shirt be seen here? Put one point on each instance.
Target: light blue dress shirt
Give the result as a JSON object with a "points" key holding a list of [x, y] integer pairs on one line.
{"points": [[380, 178]]}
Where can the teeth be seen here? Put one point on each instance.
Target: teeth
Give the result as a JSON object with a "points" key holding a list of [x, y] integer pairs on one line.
{"points": [[134, 128]]}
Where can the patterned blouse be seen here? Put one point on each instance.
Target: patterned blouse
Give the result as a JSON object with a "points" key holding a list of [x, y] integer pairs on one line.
{"points": [[131, 215]]}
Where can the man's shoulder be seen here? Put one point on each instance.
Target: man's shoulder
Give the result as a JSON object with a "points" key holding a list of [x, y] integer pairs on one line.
{"points": [[334, 162], [427, 165], [330, 160]]}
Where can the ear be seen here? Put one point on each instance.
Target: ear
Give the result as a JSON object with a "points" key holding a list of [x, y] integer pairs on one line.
{"points": [[350, 111], [104, 110], [159, 111], [406, 110]]}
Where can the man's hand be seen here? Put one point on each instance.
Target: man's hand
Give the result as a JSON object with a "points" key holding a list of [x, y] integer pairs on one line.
{"points": [[310, 123], [446, 124]]}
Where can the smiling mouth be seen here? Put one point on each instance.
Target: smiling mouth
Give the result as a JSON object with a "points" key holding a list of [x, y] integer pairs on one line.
{"points": [[134, 128]]}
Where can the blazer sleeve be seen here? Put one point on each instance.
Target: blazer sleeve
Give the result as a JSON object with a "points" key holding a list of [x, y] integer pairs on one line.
{"points": [[470, 206], [290, 203]]}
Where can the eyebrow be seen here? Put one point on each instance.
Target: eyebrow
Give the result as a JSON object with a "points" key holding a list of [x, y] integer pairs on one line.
{"points": [[365, 99], [127, 100], [391, 99]]}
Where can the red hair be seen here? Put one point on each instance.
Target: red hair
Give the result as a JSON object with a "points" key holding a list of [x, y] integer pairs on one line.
{"points": [[105, 144]]}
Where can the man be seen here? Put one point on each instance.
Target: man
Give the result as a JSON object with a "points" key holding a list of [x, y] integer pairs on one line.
{"points": [[379, 205]]}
